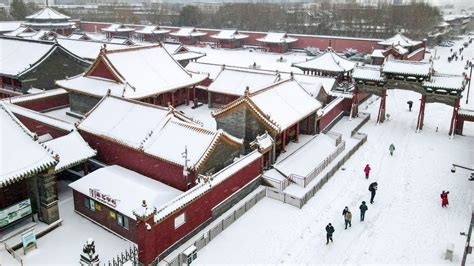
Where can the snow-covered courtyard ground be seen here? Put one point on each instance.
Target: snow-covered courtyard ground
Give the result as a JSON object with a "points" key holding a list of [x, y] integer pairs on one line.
{"points": [[63, 245], [405, 225]]}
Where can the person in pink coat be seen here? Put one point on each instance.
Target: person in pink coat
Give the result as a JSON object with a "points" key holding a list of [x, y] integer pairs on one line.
{"points": [[367, 171]]}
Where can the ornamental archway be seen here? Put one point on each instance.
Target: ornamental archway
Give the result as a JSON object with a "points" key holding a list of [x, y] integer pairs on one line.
{"points": [[413, 76]]}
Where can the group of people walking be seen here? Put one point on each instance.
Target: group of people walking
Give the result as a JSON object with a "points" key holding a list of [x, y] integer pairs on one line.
{"points": [[347, 214]]}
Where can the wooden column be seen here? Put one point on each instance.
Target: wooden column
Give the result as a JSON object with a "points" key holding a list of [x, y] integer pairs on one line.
{"points": [[172, 98], [454, 117], [297, 132], [86, 168], [421, 114], [13, 84], [283, 139], [355, 103], [381, 115]]}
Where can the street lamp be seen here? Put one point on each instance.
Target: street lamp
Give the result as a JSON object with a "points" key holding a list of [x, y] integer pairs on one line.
{"points": [[453, 170], [185, 167]]}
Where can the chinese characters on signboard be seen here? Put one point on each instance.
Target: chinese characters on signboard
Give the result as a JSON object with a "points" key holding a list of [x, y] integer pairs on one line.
{"points": [[103, 198]]}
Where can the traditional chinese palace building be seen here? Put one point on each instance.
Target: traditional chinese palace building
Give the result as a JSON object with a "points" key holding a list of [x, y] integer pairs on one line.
{"points": [[51, 20], [277, 42], [132, 73], [229, 38], [25, 64], [116, 130], [188, 35]]}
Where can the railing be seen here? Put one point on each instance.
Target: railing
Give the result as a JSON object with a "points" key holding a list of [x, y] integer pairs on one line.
{"points": [[12, 252], [364, 121], [334, 135], [280, 184], [130, 255], [305, 180]]}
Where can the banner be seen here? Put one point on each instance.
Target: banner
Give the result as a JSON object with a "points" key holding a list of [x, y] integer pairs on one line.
{"points": [[15, 212]]}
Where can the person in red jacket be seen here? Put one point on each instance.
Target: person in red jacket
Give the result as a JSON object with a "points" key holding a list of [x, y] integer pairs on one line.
{"points": [[367, 171], [444, 198]]}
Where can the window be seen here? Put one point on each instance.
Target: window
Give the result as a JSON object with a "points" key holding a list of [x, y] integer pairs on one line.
{"points": [[180, 220], [89, 204], [122, 220]]}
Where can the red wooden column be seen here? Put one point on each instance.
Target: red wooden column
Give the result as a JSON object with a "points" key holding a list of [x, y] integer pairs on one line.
{"points": [[421, 114], [355, 102], [454, 118], [1, 82], [283, 138], [297, 132], [459, 125], [86, 168], [381, 115], [172, 98], [13, 84]]}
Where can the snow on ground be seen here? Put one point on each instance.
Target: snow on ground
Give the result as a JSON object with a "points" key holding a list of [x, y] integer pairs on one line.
{"points": [[201, 114], [405, 225], [64, 244], [441, 64]]}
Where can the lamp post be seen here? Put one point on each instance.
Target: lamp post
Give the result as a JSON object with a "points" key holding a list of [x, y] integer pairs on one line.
{"points": [[469, 85], [453, 170], [185, 168]]}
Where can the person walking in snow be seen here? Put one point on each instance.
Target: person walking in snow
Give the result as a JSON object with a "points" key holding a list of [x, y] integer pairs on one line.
{"points": [[329, 231], [363, 208], [348, 218], [391, 149], [373, 189], [367, 171], [444, 199]]}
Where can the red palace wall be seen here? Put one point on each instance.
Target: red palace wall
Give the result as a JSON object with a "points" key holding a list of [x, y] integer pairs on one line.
{"points": [[418, 56], [328, 117], [41, 128], [321, 42], [110, 153], [46, 103], [163, 234], [102, 217], [222, 99]]}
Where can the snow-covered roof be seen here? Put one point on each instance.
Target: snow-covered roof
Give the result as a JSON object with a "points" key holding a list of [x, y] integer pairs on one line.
{"points": [[466, 112], [285, 103], [76, 36], [8, 26], [405, 67], [263, 142], [122, 121], [128, 191], [118, 28], [152, 29], [174, 47], [86, 49], [20, 156], [188, 32], [277, 37], [204, 68], [328, 61], [235, 82], [377, 53], [202, 188], [137, 71], [72, 150], [368, 72], [21, 31], [312, 84], [280, 105], [303, 161], [17, 55], [230, 34], [449, 82], [41, 117], [35, 96], [399, 39], [120, 40], [185, 56], [48, 13]]}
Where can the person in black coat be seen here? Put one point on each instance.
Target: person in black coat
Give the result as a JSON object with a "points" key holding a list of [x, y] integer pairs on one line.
{"points": [[372, 188], [329, 231], [363, 208]]}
